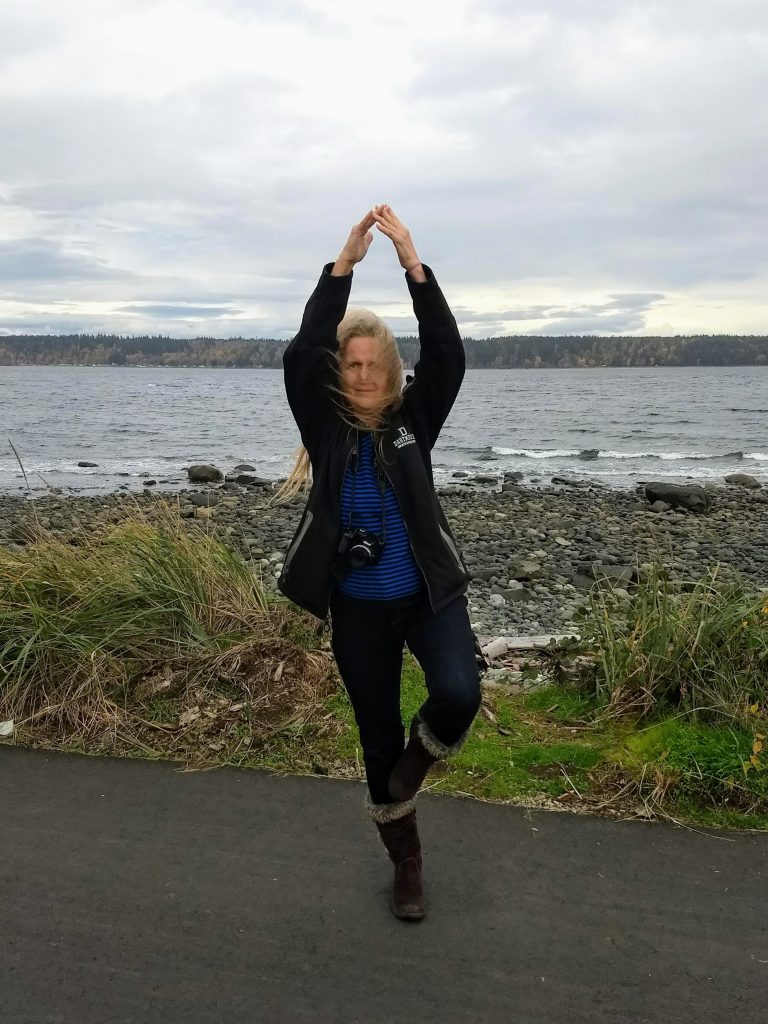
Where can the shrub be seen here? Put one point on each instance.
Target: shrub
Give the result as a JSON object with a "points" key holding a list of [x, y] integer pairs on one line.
{"points": [[700, 647], [91, 630]]}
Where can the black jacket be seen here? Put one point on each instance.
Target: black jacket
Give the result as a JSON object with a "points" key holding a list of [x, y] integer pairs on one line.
{"points": [[310, 367]]}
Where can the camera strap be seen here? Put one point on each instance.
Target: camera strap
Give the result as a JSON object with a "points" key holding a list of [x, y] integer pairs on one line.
{"points": [[381, 483]]}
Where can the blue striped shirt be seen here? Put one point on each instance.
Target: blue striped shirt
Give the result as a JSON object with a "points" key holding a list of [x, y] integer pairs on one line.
{"points": [[396, 573]]}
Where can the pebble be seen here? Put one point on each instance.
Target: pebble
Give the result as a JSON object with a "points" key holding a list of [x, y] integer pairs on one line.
{"points": [[503, 535]]}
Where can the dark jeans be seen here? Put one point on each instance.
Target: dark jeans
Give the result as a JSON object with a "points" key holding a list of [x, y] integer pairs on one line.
{"points": [[367, 640]]}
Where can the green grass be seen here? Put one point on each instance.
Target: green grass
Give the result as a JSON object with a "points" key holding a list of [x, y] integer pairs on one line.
{"points": [[700, 646], [714, 764], [153, 641], [91, 631], [562, 704], [551, 747]]}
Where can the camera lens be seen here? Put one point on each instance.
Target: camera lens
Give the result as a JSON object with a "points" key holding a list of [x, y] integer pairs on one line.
{"points": [[359, 556]]}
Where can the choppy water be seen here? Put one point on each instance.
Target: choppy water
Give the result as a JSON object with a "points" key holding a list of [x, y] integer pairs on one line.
{"points": [[616, 426]]}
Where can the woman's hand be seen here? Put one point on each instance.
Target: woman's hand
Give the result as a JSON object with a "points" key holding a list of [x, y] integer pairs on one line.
{"points": [[388, 224], [356, 246]]}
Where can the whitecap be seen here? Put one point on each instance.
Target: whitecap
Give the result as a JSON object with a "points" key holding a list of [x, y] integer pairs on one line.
{"points": [[534, 453]]}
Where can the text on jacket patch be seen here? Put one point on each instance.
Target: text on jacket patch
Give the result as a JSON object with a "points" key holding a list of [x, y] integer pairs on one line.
{"points": [[404, 438]]}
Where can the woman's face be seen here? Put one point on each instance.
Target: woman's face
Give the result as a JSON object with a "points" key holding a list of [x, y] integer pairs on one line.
{"points": [[363, 379]]}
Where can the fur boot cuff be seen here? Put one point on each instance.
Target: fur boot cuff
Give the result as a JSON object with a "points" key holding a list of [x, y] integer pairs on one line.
{"points": [[433, 745], [382, 813]]}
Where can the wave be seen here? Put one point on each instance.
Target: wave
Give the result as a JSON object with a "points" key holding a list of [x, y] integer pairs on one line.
{"points": [[132, 431], [534, 453], [592, 454]]}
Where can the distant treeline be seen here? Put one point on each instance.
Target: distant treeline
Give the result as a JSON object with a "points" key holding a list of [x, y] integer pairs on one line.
{"points": [[516, 352]]}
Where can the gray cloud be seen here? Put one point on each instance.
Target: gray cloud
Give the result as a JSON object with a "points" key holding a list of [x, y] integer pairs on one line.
{"points": [[179, 311], [617, 323], [637, 302], [621, 314], [44, 259], [583, 148]]}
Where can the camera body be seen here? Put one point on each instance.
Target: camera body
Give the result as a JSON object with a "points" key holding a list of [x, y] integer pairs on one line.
{"points": [[357, 549]]}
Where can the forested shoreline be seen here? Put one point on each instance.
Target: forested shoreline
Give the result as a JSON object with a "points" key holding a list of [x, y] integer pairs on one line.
{"points": [[515, 352]]}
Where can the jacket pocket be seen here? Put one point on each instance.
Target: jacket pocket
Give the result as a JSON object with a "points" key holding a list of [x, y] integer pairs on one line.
{"points": [[453, 549], [308, 517]]}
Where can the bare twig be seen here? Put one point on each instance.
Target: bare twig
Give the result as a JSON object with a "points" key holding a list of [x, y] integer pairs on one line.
{"points": [[10, 442], [569, 780]]}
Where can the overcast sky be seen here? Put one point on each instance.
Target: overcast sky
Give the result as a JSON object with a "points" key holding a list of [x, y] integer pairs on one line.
{"points": [[565, 166]]}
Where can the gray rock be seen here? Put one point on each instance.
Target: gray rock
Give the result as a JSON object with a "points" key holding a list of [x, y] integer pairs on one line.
{"points": [[516, 594], [567, 481], [582, 581], [742, 480], [203, 473], [485, 574], [690, 496], [247, 479], [615, 575], [203, 499], [525, 569]]}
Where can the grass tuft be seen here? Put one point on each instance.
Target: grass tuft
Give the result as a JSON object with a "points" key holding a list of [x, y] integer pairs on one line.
{"points": [[700, 647], [141, 630]]}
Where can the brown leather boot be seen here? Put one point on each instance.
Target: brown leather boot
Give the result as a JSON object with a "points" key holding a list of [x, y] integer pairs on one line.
{"points": [[412, 767], [401, 838], [423, 749]]}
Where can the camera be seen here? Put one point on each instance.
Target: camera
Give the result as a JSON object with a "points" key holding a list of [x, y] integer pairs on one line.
{"points": [[357, 548]]}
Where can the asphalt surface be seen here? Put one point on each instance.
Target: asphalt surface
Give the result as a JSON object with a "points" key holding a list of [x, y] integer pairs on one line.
{"points": [[133, 892]]}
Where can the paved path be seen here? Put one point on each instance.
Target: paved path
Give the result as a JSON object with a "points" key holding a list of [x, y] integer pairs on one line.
{"points": [[135, 893]]}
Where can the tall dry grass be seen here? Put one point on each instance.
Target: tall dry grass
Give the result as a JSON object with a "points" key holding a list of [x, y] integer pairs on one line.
{"points": [[94, 631], [701, 646]]}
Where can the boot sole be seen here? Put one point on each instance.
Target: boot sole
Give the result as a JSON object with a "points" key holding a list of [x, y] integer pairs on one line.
{"points": [[406, 915]]}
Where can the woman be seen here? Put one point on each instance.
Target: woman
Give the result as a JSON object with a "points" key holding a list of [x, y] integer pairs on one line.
{"points": [[373, 545]]}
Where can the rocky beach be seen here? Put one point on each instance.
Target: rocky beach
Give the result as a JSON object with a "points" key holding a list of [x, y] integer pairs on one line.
{"points": [[533, 554]]}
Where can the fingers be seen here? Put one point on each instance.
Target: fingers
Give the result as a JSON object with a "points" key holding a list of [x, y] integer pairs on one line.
{"points": [[388, 215], [381, 215], [383, 222], [367, 222]]}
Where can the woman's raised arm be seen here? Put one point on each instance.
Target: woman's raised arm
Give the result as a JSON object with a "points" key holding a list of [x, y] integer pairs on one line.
{"points": [[355, 247], [394, 229], [308, 361], [438, 374]]}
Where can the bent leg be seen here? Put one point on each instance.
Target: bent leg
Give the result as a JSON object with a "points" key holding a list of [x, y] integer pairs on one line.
{"points": [[444, 646]]}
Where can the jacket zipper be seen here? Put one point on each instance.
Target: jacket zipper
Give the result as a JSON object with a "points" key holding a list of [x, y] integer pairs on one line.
{"points": [[341, 494], [416, 560], [344, 476]]}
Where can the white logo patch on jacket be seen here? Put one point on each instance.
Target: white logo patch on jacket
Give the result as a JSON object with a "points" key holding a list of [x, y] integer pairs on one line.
{"points": [[404, 438]]}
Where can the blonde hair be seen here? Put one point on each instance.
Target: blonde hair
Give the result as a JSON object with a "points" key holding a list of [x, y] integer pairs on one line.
{"points": [[357, 323]]}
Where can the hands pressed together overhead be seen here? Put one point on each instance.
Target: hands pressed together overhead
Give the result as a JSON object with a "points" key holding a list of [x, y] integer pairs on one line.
{"points": [[360, 238]]}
